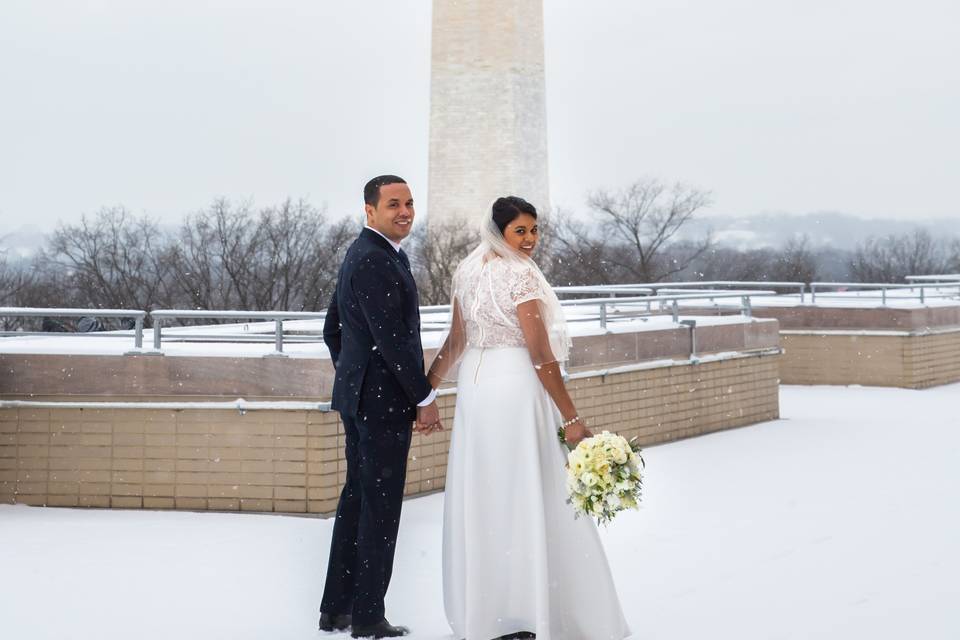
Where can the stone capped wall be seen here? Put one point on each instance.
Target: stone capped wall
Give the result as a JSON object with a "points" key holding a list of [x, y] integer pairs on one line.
{"points": [[914, 360], [292, 460]]}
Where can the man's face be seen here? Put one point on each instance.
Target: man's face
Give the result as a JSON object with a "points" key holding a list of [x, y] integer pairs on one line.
{"points": [[393, 215]]}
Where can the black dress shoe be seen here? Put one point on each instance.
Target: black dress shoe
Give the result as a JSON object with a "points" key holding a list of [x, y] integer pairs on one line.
{"points": [[382, 629], [519, 634], [334, 622]]}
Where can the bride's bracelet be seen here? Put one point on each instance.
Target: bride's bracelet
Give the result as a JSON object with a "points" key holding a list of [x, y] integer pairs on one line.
{"points": [[570, 422]]}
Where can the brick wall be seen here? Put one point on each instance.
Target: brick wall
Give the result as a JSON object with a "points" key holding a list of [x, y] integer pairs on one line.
{"points": [[291, 461], [891, 359]]}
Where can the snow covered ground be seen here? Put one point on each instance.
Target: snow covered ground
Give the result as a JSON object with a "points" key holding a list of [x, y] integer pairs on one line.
{"points": [[839, 521]]}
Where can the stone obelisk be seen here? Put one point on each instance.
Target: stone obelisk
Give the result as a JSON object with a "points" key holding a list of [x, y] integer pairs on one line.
{"points": [[488, 124]]}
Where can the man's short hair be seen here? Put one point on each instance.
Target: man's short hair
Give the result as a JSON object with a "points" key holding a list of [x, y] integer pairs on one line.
{"points": [[371, 191]]}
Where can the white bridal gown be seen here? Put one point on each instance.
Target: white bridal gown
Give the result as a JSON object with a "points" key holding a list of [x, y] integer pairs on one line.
{"points": [[514, 557]]}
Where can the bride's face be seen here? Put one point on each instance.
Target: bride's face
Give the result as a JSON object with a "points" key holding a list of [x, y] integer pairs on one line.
{"points": [[521, 233]]}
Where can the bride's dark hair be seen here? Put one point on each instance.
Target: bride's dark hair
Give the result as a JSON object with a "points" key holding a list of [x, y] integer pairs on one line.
{"points": [[508, 208]]}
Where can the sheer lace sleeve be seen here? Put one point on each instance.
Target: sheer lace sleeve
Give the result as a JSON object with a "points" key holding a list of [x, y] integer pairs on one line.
{"points": [[535, 334], [525, 286]]}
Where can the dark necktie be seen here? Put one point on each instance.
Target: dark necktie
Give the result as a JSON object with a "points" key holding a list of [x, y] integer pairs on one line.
{"points": [[404, 259], [406, 265]]}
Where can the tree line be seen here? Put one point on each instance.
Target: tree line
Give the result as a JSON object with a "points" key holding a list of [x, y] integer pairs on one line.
{"points": [[633, 235], [285, 256], [227, 256]]}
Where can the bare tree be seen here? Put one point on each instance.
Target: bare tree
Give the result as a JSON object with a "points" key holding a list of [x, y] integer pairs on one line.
{"points": [[892, 258], [728, 263], [13, 281], [298, 257], [795, 262], [8, 280], [224, 257], [644, 218], [35, 281], [113, 260], [283, 257], [435, 252], [573, 253], [953, 264]]}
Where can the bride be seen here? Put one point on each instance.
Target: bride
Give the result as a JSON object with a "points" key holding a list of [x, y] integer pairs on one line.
{"points": [[515, 560]]}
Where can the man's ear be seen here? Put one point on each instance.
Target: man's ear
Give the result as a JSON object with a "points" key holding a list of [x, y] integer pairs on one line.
{"points": [[369, 210]]}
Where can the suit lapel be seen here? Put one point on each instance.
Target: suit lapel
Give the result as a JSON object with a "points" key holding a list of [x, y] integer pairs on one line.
{"points": [[380, 241], [383, 243], [377, 239]]}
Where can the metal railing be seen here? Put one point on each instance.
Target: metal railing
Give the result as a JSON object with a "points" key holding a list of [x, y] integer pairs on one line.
{"points": [[801, 287], [42, 312], [159, 315], [614, 302], [941, 290], [609, 289], [943, 277], [608, 308], [655, 288], [603, 304]]}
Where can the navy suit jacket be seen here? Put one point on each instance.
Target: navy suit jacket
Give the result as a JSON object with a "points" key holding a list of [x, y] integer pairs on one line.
{"points": [[372, 329]]}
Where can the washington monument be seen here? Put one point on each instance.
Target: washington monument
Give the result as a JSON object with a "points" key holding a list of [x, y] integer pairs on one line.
{"points": [[488, 126]]}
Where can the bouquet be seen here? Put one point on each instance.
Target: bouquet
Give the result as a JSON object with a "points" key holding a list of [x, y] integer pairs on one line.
{"points": [[604, 475]]}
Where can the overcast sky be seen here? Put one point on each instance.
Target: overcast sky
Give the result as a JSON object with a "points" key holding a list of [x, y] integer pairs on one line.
{"points": [[774, 105]]}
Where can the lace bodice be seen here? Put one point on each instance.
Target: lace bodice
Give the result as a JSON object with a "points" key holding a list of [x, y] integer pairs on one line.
{"points": [[488, 294]]}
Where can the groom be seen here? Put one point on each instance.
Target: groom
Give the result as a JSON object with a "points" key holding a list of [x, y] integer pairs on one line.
{"points": [[372, 329]]}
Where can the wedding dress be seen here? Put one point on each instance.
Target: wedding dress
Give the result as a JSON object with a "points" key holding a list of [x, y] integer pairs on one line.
{"points": [[514, 556]]}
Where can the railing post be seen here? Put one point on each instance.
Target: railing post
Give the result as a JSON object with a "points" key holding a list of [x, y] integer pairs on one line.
{"points": [[813, 293], [747, 307], [156, 333], [278, 336], [922, 299], [693, 336], [676, 310], [138, 333], [603, 315], [803, 294], [883, 296]]}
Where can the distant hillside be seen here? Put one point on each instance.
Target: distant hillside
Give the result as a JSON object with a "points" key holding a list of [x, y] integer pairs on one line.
{"points": [[22, 242], [825, 230]]}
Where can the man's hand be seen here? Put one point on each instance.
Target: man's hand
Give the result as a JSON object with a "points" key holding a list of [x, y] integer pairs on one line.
{"points": [[428, 419]]}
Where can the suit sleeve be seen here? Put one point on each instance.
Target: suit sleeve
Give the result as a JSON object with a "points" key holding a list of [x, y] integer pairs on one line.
{"points": [[331, 330], [377, 284]]}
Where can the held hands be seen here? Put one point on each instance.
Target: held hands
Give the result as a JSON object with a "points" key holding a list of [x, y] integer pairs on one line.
{"points": [[428, 419]]}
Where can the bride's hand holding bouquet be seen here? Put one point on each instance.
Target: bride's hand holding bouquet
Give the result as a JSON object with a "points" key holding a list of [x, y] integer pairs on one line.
{"points": [[574, 430]]}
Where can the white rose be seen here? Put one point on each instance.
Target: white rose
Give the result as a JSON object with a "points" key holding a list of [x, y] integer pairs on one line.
{"points": [[620, 456]]}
